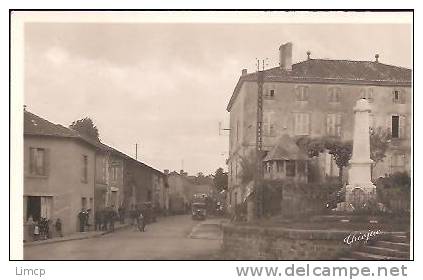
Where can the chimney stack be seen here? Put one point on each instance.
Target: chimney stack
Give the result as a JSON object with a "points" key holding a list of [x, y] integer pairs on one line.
{"points": [[285, 56], [166, 171], [308, 55], [244, 72], [377, 57]]}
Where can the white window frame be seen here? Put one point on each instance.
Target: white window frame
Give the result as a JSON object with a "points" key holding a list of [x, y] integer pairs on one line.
{"points": [[334, 124], [302, 123]]}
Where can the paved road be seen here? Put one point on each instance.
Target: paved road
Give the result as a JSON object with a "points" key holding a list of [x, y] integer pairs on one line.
{"points": [[171, 238]]}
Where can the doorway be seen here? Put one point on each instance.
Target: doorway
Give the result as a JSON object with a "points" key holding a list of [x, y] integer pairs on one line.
{"points": [[33, 207]]}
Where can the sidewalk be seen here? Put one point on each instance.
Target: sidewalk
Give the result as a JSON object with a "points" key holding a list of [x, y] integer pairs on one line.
{"points": [[76, 236]]}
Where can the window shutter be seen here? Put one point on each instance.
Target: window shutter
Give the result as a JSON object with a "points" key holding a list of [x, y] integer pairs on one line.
{"points": [[46, 162], [402, 97], [389, 124], [31, 160], [338, 124], [402, 125], [308, 124]]}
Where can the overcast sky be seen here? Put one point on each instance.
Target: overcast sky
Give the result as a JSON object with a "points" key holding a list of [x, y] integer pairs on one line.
{"points": [[166, 86]]}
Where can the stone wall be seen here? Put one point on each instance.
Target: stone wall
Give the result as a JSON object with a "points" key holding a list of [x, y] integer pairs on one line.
{"points": [[259, 243]]}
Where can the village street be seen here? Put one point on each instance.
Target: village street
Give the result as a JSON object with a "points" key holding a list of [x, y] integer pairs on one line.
{"points": [[171, 238]]}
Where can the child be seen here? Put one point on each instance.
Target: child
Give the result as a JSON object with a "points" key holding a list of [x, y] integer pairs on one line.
{"points": [[58, 227], [36, 232]]}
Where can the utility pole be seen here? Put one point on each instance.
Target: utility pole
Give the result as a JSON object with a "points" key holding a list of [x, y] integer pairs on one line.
{"points": [[256, 207], [258, 178]]}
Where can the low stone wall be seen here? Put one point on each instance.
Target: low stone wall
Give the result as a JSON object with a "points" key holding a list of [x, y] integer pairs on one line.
{"points": [[259, 243]]}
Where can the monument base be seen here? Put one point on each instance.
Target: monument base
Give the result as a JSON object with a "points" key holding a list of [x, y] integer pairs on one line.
{"points": [[358, 195]]}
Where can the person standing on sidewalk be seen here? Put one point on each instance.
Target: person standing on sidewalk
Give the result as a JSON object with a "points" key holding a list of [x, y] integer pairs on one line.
{"points": [[141, 221], [58, 227], [82, 222], [36, 231]]}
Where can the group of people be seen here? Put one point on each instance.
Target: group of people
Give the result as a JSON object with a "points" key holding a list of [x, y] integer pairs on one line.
{"points": [[105, 218], [84, 216], [42, 228], [138, 218]]}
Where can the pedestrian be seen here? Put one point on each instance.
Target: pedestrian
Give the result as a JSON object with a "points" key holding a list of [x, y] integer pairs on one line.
{"points": [[82, 222], [112, 218], [36, 234], [49, 229], [121, 212], [105, 218], [87, 218], [98, 219], [141, 221], [43, 228], [58, 227]]}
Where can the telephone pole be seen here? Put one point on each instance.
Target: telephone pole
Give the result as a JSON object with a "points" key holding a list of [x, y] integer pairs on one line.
{"points": [[258, 175]]}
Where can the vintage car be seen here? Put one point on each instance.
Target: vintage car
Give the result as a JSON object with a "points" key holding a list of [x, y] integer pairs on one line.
{"points": [[199, 210]]}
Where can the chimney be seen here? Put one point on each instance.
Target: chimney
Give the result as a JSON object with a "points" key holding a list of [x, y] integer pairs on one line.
{"points": [[285, 56], [166, 172], [244, 72], [377, 57], [308, 55], [181, 172]]}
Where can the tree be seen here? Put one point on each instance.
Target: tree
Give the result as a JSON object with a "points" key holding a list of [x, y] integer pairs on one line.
{"points": [[248, 166], [341, 152], [379, 143], [220, 180], [86, 127]]}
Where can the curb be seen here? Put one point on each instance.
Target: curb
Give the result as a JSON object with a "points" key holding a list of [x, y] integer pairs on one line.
{"points": [[44, 242]]}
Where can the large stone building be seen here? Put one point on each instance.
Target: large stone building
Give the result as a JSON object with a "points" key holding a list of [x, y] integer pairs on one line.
{"points": [[315, 98]]}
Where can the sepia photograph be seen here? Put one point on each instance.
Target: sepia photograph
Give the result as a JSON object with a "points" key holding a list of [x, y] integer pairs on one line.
{"points": [[145, 135]]}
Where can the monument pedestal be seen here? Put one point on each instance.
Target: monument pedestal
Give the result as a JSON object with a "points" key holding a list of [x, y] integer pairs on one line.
{"points": [[360, 189]]}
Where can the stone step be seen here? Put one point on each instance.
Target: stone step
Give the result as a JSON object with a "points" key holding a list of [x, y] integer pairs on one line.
{"points": [[367, 256], [396, 238], [404, 247], [384, 251]]}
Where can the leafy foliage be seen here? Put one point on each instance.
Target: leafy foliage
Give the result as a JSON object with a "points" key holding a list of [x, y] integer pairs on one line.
{"points": [[340, 150], [248, 164], [379, 143], [86, 127], [220, 179]]}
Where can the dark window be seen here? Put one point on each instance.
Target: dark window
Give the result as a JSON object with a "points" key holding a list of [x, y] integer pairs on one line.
{"points": [[33, 207], [84, 202], [395, 127], [272, 92], [84, 169], [149, 195], [290, 168], [398, 96]]}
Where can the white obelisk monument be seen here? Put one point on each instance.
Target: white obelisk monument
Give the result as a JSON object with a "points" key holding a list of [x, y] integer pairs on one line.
{"points": [[360, 188]]}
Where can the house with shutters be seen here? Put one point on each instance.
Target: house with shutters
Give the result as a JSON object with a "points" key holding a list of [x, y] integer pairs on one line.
{"points": [[59, 172], [315, 98], [65, 172]]}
